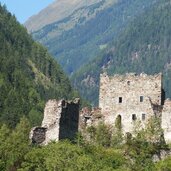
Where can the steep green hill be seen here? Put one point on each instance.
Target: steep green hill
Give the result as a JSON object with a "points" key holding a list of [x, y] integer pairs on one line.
{"points": [[81, 36], [28, 74], [144, 46]]}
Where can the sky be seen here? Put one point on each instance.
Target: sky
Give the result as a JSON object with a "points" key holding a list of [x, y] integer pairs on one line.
{"points": [[23, 9]]}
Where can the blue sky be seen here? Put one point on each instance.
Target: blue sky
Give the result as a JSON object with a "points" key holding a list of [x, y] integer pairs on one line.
{"points": [[23, 9]]}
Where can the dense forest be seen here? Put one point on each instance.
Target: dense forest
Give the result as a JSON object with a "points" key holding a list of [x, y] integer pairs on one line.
{"points": [[29, 76], [77, 46], [144, 46]]}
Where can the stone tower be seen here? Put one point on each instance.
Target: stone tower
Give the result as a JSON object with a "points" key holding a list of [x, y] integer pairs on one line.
{"points": [[130, 97]]}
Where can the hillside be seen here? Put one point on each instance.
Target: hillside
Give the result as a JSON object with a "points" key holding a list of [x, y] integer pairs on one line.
{"points": [[56, 11], [81, 36], [28, 74], [144, 46]]}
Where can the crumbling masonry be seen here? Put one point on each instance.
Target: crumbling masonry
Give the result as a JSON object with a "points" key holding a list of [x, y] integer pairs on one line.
{"points": [[60, 121], [134, 97], [129, 97]]}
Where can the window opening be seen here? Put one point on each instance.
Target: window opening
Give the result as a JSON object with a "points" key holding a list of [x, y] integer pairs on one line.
{"points": [[120, 99], [143, 116], [134, 117], [141, 98], [118, 121]]}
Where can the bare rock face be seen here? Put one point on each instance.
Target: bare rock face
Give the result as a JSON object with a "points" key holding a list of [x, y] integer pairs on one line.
{"points": [[60, 121]]}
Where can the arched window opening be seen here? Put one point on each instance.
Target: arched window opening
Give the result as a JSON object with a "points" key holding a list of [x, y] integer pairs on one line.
{"points": [[134, 117], [118, 122]]}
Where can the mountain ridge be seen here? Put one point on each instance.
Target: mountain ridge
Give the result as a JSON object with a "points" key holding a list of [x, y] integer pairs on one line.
{"points": [[77, 45], [56, 11]]}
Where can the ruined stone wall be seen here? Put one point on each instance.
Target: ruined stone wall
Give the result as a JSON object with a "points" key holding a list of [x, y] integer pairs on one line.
{"points": [[166, 120], [61, 119], [90, 117], [52, 112], [129, 96], [51, 120], [69, 120]]}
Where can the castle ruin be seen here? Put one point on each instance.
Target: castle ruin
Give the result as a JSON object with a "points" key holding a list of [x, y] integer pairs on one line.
{"points": [[129, 97], [60, 121], [133, 97]]}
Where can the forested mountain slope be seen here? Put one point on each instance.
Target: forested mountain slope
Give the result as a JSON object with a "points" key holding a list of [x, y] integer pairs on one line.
{"points": [[28, 74], [144, 46], [82, 35], [56, 11]]}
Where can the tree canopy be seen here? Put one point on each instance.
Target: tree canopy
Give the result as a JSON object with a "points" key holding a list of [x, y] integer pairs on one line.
{"points": [[29, 76]]}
